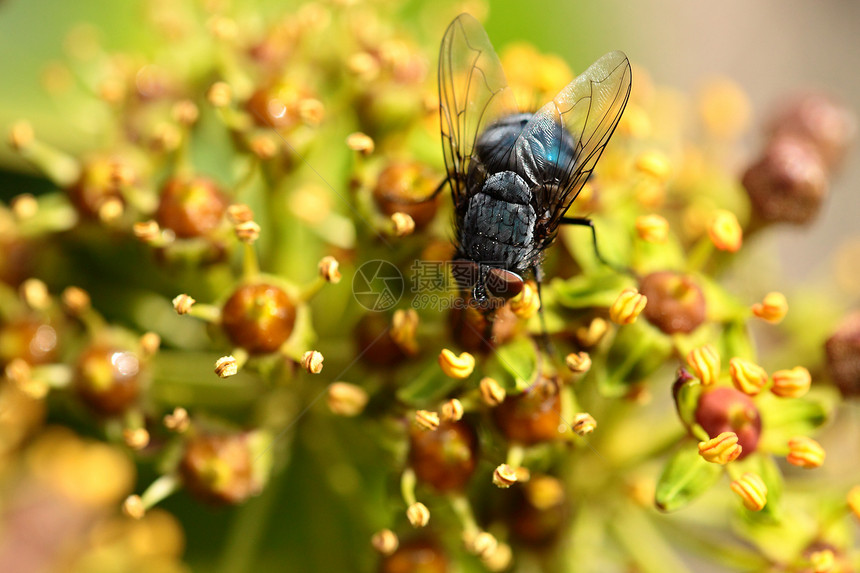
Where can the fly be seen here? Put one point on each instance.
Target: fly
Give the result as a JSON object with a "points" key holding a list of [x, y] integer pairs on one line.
{"points": [[514, 175]]}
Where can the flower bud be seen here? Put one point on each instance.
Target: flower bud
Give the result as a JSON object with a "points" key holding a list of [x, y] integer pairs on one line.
{"points": [[725, 231], [191, 207], [627, 307], [530, 417], [346, 399], [752, 491], [748, 377], [218, 468], [792, 383], [652, 228], [258, 317], [675, 302], [459, 367], [772, 308], [705, 362], [445, 458], [538, 511], [724, 108], [108, 379], [418, 514], [805, 452], [404, 187], [420, 554], [722, 449], [788, 184], [822, 121], [843, 355], [722, 409]]}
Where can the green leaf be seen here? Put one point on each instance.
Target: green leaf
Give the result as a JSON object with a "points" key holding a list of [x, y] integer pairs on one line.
{"points": [[588, 291], [785, 418], [426, 385], [519, 359], [637, 352], [685, 477]]}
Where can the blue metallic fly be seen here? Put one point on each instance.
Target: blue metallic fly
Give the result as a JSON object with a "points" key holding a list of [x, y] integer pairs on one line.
{"points": [[514, 175]]}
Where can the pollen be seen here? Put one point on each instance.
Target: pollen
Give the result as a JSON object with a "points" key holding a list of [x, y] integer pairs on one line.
{"points": [[752, 491], [772, 308], [805, 453], [627, 307], [455, 366], [527, 303], [792, 383], [721, 449], [655, 164], [748, 377], [705, 362], [725, 231], [652, 228]]}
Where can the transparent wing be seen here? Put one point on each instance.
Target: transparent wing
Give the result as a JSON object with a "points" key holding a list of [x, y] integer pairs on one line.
{"points": [[559, 147], [473, 93]]}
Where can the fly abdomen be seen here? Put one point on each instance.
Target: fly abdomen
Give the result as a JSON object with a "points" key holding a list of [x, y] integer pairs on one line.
{"points": [[498, 225]]}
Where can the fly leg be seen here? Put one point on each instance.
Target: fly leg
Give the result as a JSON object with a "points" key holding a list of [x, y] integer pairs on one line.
{"points": [[586, 222], [547, 343]]}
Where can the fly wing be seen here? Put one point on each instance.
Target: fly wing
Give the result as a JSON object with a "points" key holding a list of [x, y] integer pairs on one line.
{"points": [[473, 93], [559, 147]]}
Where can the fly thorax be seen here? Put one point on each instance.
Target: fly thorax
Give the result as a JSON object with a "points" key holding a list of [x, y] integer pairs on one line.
{"points": [[498, 225]]}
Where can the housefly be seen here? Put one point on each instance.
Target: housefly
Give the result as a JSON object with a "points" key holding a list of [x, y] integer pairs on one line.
{"points": [[514, 175]]}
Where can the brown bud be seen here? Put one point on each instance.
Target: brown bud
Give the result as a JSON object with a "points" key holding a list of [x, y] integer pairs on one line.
{"points": [[218, 468], [676, 304], [258, 317], [722, 409], [788, 183], [824, 122], [191, 207], [843, 355], [445, 458]]}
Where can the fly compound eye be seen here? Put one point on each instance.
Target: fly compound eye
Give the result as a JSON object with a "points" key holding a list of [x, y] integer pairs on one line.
{"points": [[465, 274], [503, 284]]}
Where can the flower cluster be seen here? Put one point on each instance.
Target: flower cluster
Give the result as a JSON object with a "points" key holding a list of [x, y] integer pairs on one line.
{"points": [[244, 291]]}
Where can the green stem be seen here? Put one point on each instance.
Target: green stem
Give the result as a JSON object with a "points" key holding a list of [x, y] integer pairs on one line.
{"points": [[246, 532]]}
